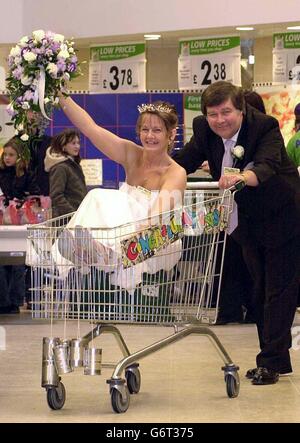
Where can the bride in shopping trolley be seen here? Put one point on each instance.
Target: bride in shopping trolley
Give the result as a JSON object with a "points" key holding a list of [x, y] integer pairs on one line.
{"points": [[148, 253]]}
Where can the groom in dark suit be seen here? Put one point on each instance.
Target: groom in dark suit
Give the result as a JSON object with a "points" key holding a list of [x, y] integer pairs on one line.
{"points": [[268, 212]]}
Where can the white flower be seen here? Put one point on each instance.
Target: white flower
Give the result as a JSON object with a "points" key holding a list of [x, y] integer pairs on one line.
{"points": [[18, 60], [63, 47], [25, 105], [238, 152], [15, 51], [63, 54], [38, 35], [24, 137], [29, 57], [52, 69], [23, 42], [71, 50], [46, 100], [20, 127], [66, 76], [25, 80], [59, 38]]}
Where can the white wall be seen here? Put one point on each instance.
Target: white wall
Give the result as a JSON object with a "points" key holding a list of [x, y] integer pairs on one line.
{"points": [[11, 20], [88, 18]]}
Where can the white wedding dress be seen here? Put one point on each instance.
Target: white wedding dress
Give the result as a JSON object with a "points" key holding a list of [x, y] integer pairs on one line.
{"points": [[96, 233]]}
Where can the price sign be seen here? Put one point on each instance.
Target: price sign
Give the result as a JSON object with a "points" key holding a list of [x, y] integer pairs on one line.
{"points": [[286, 58], [118, 68], [205, 61], [192, 108], [92, 170]]}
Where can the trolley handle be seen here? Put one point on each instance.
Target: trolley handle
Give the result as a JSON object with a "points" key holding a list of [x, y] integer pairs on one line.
{"points": [[238, 186], [214, 185], [202, 185]]}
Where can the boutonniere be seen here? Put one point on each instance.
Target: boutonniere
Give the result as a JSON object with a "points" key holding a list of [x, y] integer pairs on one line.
{"points": [[237, 153]]}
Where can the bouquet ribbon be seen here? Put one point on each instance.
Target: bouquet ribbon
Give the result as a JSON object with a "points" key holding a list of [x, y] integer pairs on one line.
{"points": [[41, 91]]}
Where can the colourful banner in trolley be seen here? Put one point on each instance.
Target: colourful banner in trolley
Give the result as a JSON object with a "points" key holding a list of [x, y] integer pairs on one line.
{"points": [[147, 243], [208, 218]]}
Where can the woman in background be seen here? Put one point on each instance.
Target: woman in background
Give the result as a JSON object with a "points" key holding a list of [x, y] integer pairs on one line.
{"points": [[66, 178]]}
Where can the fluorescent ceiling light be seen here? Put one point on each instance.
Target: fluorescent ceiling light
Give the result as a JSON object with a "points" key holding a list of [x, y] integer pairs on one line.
{"points": [[244, 28], [293, 27], [152, 36]]}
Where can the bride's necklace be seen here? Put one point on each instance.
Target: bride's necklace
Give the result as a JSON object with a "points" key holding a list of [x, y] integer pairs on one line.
{"points": [[145, 191]]}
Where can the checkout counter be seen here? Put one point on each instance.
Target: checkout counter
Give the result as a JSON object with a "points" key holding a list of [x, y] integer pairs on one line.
{"points": [[13, 243]]}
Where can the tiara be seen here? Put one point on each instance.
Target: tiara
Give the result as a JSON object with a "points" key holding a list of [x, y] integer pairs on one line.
{"points": [[150, 107]]}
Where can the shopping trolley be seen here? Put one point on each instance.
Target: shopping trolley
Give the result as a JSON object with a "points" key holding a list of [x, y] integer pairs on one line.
{"points": [[163, 271]]}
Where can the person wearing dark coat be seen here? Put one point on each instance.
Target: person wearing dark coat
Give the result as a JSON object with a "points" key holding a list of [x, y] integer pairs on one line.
{"points": [[268, 212], [38, 146], [16, 182], [66, 178], [18, 187]]}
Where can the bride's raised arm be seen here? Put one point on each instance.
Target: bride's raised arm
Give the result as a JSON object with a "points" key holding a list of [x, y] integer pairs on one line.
{"points": [[111, 145]]}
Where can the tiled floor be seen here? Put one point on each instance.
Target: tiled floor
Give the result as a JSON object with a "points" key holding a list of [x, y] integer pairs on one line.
{"points": [[180, 383]]}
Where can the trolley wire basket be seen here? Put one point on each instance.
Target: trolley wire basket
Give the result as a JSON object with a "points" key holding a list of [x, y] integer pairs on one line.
{"points": [[163, 271]]}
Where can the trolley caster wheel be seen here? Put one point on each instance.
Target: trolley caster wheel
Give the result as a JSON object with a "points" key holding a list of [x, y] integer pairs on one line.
{"points": [[119, 402], [232, 385], [133, 380], [56, 396]]}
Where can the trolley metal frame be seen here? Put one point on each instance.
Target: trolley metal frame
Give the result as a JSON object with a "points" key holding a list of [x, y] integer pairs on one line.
{"points": [[69, 280]]}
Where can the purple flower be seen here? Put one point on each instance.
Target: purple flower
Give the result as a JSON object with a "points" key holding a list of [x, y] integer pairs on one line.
{"points": [[55, 46], [48, 52], [17, 73], [10, 110], [61, 65], [28, 95], [71, 67], [11, 61], [24, 50], [19, 100]]}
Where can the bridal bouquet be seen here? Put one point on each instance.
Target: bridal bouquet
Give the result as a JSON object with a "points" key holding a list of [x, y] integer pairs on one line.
{"points": [[39, 67]]}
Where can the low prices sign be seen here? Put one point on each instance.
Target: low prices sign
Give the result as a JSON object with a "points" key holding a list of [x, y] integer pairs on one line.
{"points": [[286, 57], [205, 61], [117, 68]]}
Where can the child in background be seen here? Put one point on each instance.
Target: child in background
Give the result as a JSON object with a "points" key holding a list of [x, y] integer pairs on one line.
{"points": [[16, 182]]}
